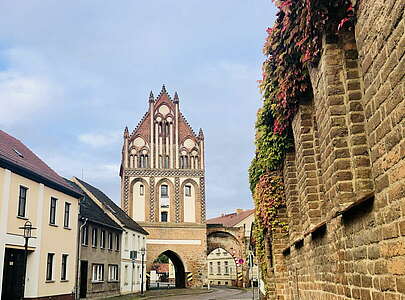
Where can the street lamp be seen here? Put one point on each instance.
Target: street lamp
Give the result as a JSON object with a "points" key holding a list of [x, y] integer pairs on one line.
{"points": [[27, 235], [142, 251]]}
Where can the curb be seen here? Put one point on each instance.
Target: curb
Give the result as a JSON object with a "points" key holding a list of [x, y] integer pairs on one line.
{"points": [[179, 294]]}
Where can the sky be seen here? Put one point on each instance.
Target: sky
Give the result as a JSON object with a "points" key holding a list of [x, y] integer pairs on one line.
{"points": [[73, 74]]}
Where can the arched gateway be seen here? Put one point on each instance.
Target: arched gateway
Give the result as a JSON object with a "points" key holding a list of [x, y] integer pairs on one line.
{"points": [[163, 187]]}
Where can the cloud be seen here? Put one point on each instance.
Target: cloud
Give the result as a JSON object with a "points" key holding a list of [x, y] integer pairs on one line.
{"points": [[21, 96], [100, 139]]}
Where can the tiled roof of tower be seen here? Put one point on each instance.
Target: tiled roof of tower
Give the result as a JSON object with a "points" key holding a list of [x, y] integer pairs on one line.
{"points": [[126, 220], [89, 209], [14, 154], [232, 219]]}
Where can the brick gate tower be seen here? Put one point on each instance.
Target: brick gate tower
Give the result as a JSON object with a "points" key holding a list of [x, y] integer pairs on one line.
{"points": [[162, 187]]}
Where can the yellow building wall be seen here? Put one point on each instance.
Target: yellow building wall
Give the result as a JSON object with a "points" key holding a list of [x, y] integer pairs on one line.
{"points": [[49, 239], [58, 240]]}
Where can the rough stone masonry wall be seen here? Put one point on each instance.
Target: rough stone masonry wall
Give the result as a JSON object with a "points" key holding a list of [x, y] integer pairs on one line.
{"points": [[356, 248]]}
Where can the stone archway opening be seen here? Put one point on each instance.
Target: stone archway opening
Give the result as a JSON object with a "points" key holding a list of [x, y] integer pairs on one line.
{"points": [[231, 241], [167, 271], [222, 268]]}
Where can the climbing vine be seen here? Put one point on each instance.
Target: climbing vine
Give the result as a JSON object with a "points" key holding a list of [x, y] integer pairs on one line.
{"points": [[269, 199], [293, 45]]}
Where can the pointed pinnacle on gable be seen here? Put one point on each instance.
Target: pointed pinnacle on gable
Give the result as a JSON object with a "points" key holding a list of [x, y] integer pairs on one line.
{"points": [[201, 134], [176, 98], [151, 97], [163, 90], [126, 132]]}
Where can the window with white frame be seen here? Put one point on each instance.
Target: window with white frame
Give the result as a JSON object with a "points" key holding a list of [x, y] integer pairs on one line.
{"points": [[117, 242], [66, 218], [187, 190], [22, 201], [98, 273], [164, 191], [110, 241], [126, 240], [226, 268], [102, 239], [219, 268], [94, 237], [211, 268], [85, 236], [49, 266], [52, 211], [113, 272], [63, 275]]}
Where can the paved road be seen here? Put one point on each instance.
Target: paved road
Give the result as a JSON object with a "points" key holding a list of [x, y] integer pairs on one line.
{"points": [[217, 294]]}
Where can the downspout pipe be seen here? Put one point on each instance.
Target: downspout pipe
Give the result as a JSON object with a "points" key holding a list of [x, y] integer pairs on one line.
{"points": [[78, 256]]}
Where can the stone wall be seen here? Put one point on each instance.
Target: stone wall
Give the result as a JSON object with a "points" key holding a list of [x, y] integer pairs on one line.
{"points": [[177, 239], [345, 182]]}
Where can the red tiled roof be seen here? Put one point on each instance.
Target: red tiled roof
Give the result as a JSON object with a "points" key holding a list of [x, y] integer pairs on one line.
{"points": [[16, 153], [161, 268], [232, 219]]}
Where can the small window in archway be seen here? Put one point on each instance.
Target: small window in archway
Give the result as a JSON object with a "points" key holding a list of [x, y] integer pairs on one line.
{"points": [[141, 190], [164, 191], [187, 190], [163, 216]]}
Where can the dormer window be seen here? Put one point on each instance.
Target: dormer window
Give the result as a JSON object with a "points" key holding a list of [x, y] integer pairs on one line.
{"points": [[18, 153]]}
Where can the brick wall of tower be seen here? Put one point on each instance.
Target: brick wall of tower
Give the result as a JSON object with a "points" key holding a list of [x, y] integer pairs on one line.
{"points": [[345, 183]]}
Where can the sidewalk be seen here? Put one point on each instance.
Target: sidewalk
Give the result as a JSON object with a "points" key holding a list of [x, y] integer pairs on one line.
{"points": [[156, 294]]}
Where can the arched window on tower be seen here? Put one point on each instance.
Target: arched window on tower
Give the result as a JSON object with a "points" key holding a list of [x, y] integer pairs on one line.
{"points": [[167, 129], [160, 127], [141, 161], [186, 162], [166, 162], [146, 161]]}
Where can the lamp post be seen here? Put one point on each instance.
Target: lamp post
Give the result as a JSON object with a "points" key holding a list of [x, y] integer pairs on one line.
{"points": [[27, 235], [142, 251]]}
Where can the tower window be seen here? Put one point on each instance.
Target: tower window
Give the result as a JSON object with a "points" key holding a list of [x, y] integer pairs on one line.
{"points": [[163, 216], [141, 190], [166, 162], [164, 190], [187, 190]]}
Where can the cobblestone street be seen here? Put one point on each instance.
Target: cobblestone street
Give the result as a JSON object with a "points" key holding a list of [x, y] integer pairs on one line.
{"points": [[216, 293]]}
